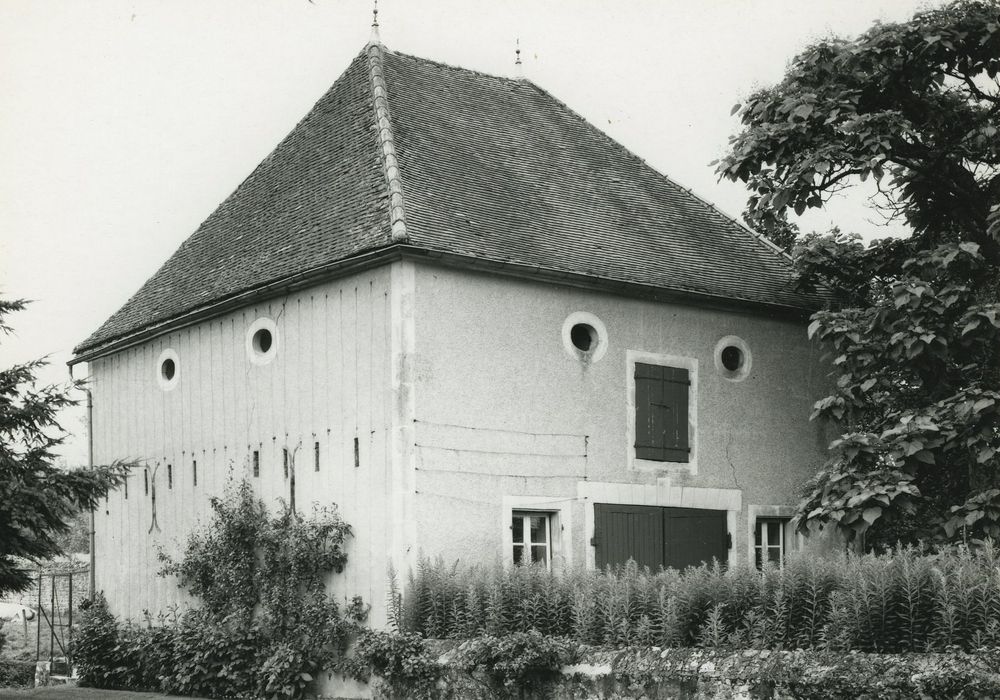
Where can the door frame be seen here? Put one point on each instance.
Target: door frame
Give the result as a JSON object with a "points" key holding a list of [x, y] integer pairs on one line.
{"points": [[663, 494]]}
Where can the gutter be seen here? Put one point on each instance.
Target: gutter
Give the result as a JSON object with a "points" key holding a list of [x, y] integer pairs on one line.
{"points": [[90, 465], [399, 251]]}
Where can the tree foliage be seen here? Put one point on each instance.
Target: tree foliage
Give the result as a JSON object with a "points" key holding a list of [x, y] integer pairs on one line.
{"points": [[914, 106], [913, 324], [38, 500]]}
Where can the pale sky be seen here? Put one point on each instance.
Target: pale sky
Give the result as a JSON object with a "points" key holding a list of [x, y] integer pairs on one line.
{"points": [[124, 123]]}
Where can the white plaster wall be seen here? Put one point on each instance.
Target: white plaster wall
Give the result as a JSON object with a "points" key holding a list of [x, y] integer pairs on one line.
{"points": [[329, 382], [502, 410]]}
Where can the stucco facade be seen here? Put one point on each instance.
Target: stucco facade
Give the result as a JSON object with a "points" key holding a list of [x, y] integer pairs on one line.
{"points": [[509, 416], [441, 401]]}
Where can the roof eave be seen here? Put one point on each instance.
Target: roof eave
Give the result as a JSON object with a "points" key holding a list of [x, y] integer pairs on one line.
{"points": [[370, 259], [269, 290], [622, 287]]}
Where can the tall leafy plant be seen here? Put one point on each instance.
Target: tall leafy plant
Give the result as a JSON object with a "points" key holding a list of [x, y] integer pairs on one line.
{"points": [[265, 626], [265, 576], [913, 325]]}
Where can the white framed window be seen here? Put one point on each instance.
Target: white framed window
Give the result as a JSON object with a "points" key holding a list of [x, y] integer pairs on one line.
{"points": [[550, 532], [769, 542], [531, 538], [770, 534]]}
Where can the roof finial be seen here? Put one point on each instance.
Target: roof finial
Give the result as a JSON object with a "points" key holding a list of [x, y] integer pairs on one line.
{"points": [[375, 39], [518, 70]]}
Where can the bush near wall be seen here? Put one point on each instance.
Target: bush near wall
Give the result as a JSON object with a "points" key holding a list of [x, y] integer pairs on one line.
{"points": [[265, 626], [900, 601]]}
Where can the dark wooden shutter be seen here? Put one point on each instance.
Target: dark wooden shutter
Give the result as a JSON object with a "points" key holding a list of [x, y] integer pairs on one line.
{"points": [[628, 532], [661, 413], [695, 535]]}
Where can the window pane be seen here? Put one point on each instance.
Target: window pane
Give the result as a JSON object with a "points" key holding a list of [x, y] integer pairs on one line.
{"points": [[538, 529], [757, 535], [517, 527], [539, 554], [757, 556], [774, 534], [774, 554], [518, 554]]}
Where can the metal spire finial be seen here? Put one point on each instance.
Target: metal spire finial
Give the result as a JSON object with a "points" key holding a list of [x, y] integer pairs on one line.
{"points": [[375, 39], [518, 70]]}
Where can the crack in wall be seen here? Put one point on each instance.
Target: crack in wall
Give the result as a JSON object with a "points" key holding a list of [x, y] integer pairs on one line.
{"points": [[729, 459]]}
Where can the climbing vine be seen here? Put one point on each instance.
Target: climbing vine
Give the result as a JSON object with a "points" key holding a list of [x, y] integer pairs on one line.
{"points": [[265, 626]]}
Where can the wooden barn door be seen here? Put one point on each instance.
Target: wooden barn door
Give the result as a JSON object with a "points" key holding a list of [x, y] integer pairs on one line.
{"points": [[694, 535], [628, 532], [655, 536]]}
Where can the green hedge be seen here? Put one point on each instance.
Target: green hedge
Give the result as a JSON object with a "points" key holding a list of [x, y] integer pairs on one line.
{"points": [[900, 601]]}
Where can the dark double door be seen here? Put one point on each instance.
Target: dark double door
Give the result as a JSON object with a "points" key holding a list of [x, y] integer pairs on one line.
{"points": [[655, 536]]}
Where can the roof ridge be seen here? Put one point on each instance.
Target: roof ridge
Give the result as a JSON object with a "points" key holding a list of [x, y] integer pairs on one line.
{"points": [[387, 147], [452, 66], [759, 237]]}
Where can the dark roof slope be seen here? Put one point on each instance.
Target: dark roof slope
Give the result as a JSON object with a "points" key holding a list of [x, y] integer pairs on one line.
{"points": [[498, 168], [490, 167], [319, 196]]}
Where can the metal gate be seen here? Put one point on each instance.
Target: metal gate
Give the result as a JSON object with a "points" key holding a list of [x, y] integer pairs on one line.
{"points": [[55, 615]]}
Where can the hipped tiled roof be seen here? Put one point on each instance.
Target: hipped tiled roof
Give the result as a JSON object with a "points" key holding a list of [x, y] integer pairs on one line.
{"points": [[402, 150]]}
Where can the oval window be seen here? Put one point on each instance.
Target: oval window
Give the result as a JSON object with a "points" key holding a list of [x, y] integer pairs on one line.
{"points": [[167, 369], [733, 358], [262, 341], [584, 336]]}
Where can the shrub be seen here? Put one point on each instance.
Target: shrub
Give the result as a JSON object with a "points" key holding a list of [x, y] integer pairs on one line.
{"points": [[17, 674], [897, 601], [400, 660], [95, 649], [513, 664], [266, 626]]}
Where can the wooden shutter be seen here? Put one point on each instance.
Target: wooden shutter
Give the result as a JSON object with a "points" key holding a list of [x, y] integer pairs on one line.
{"points": [[628, 532], [695, 535], [661, 413]]}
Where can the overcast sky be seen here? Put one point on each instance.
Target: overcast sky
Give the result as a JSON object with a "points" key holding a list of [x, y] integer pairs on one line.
{"points": [[125, 123]]}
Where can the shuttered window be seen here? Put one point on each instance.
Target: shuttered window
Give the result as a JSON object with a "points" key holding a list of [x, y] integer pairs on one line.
{"points": [[661, 413], [655, 536]]}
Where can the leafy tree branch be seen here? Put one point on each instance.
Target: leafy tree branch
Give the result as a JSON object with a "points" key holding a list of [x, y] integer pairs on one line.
{"points": [[912, 325], [38, 500]]}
